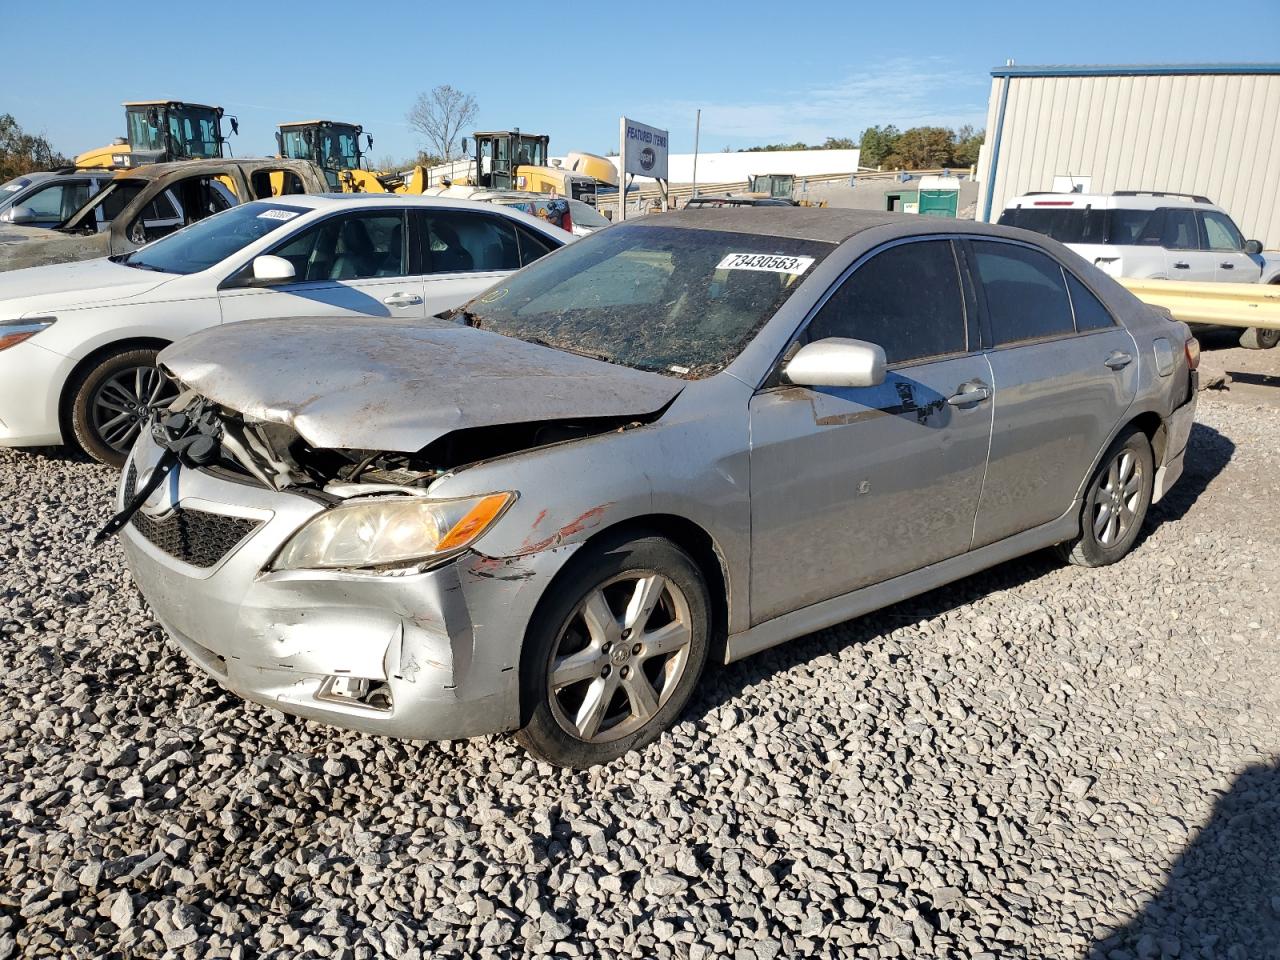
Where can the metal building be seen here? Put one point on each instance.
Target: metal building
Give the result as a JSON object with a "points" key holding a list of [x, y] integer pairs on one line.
{"points": [[1208, 129]]}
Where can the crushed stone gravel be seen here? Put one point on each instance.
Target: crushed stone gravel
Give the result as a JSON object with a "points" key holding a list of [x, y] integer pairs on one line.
{"points": [[1039, 761]]}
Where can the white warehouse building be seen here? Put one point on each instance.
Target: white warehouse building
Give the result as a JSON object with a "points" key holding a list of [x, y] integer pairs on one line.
{"points": [[1206, 129]]}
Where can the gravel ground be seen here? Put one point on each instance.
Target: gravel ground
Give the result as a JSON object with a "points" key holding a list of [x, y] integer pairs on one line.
{"points": [[1040, 761]]}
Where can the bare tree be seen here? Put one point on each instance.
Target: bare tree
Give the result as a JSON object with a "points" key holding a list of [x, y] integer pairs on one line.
{"points": [[440, 116]]}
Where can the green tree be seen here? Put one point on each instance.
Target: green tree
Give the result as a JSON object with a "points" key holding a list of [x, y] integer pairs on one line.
{"points": [[877, 144], [839, 143], [922, 148], [967, 142], [22, 152]]}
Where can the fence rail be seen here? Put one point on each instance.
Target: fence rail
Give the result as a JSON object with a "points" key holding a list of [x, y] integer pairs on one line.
{"points": [[1229, 304], [681, 192]]}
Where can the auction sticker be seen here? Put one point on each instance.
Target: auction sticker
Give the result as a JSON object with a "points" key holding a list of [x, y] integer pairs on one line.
{"points": [[768, 262], [277, 215]]}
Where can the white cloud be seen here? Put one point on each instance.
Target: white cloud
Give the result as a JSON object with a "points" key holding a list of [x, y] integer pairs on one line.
{"points": [[902, 91]]}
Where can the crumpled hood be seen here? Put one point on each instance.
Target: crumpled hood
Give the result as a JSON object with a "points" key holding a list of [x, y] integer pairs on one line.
{"points": [[67, 285], [22, 246], [394, 385]]}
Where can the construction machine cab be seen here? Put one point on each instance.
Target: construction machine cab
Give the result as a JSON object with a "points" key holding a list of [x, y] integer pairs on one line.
{"points": [[329, 144], [161, 131], [499, 155], [781, 185]]}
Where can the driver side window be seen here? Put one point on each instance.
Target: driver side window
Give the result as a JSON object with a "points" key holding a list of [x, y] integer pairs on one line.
{"points": [[356, 246], [907, 299]]}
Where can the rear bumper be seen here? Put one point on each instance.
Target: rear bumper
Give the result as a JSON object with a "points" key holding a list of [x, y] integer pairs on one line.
{"points": [[31, 380], [1177, 431], [443, 645]]}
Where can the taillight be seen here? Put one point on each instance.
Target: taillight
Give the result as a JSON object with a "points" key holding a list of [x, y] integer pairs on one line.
{"points": [[1193, 353], [566, 222]]}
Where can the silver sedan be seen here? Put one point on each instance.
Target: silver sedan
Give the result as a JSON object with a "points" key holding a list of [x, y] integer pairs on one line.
{"points": [[686, 438]]}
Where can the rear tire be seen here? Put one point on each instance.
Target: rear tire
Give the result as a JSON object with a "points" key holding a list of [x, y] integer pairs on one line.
{"points": [[111, 401], [1115, 503], [1256, 338], [614, 651]]}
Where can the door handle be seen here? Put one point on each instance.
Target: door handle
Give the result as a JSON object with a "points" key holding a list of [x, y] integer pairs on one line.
{"points": [[402, 300], [1228, 265], [1182, 265], [1118, 360], [975, 391]]}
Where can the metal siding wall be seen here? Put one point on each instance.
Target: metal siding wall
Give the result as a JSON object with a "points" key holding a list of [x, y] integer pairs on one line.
{"points": [[1216, 135]]}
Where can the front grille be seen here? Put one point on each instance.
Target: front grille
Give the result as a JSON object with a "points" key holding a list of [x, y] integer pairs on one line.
{"points": [[192, 536]]}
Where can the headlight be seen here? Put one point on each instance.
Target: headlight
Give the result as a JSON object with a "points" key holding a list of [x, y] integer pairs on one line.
{"points": [[13, 332], [390, 532]]}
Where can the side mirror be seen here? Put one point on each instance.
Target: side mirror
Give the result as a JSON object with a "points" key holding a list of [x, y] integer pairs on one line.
{"points": [[837, 362], [235, 126], [268, 269], [464, 146], [1253, 247], [20, 215], [368, 141]]}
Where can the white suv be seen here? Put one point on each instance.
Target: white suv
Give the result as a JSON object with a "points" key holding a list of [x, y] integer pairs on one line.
{"points": [[1151, 235]]}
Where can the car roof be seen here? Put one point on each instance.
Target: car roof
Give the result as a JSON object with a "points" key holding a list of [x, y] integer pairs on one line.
{"points": [[1117, 200], [828, 224], [214, 165], [319, 201]]}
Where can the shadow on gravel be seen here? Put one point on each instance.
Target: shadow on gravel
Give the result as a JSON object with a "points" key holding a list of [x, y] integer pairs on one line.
{"points": [[65, 454], [1208, 452], [1222, 896]]}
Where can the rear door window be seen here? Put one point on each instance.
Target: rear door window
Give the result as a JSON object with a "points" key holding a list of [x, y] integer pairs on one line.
{"points": [[1089, 311], [1135, 227], [1025, 290], [462, 242], [907, 299], [1180, 230]]}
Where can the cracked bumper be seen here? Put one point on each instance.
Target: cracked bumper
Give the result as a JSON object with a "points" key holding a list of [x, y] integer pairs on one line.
{"points": [[446, 642]]}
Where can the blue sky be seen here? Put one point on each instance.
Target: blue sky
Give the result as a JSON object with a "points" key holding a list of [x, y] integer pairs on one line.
{"points": [[761, 72]]}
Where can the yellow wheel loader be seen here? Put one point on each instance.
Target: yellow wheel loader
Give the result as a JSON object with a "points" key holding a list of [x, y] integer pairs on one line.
{"points": [[161, 131], [511, 160], [335, 148]]}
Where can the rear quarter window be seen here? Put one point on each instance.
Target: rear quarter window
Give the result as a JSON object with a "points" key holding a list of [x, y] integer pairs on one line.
{"points": [[1089, 312]]}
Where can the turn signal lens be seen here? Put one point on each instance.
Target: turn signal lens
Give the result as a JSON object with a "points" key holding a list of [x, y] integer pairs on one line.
{"points": [[13, 332], [1193, 353]]}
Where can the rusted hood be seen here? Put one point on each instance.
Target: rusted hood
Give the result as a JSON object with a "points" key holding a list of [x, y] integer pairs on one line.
{"points": [[376, 384], [22, 246]]}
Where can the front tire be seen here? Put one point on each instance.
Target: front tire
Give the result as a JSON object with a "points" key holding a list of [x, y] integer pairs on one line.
{"points": [[112, 400], [1256, 338], [614, 652], [1115, 503]]}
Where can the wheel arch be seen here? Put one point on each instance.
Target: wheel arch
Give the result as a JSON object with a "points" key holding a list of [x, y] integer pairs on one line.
{"points": [[689, 536], [88, 361]]}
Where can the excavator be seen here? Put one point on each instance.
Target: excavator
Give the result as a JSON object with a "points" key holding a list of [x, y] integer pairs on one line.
{"points": [[335, 148], [160, 131]]}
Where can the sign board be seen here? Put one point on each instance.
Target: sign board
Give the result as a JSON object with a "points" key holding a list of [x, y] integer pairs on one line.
{"points": [[644, 150]]}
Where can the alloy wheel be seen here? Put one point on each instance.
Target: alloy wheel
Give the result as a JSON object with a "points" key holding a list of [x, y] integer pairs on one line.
{"points": [[124, 401], [1116, 499], [620, 656]]}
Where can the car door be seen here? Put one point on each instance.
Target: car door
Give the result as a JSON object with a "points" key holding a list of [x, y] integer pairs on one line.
{"points": [[1064, 372], [466, 251], [351, 264], [1225, 241], [850, 487], [1184, 257]]}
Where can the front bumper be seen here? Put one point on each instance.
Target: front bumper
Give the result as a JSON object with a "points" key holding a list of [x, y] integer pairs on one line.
{"points": [[1177, 432], [31, 380], [445, 642]]}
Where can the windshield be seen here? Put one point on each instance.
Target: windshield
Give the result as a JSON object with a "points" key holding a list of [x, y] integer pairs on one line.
{"points": [[192, 132], [676, 301], [336, 148], [586, 215], [212, 240]]}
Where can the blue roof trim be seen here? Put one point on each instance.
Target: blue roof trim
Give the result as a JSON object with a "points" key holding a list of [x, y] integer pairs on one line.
{"points": [[1138, 70]]}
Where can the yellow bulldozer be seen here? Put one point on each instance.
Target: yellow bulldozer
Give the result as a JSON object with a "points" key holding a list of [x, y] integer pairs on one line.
{"points": [[160, 131]]}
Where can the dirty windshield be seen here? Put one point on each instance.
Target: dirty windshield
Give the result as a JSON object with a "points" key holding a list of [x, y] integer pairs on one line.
{"points": [[677, 301], [209, 241]]}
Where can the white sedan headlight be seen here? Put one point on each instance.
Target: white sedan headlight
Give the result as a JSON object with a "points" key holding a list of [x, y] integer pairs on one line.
{"points": [[390, 532]]}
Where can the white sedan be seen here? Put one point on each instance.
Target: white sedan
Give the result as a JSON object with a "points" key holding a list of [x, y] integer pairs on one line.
{"points": [[78, 341]]}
